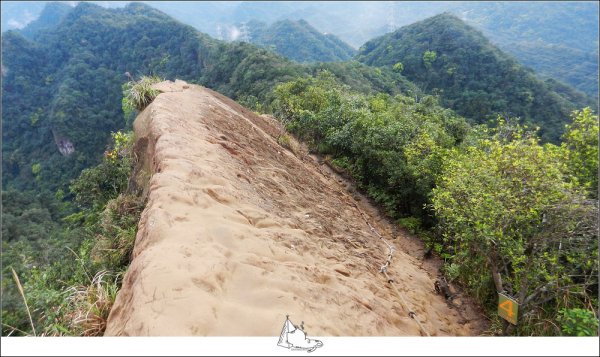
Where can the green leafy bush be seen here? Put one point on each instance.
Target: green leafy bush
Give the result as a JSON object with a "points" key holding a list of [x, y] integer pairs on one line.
{"points": [[99, 184], [518, 226], [581, 142], [392, 145], [398, 67], [412, 224], [71, 277], [578, 322]]}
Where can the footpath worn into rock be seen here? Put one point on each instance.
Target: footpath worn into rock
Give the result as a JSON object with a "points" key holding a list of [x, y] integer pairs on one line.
{"points": [[239, 232]]}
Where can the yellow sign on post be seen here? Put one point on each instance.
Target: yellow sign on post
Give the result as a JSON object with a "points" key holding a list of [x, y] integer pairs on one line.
{"points": [[508, 308]]}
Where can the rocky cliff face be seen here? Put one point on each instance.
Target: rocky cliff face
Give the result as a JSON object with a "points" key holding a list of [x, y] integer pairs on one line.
{"points": [[239, 232]]}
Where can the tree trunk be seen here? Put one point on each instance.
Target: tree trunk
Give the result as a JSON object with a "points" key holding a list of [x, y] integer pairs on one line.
{"points": [[507, 328], [495, 273]]}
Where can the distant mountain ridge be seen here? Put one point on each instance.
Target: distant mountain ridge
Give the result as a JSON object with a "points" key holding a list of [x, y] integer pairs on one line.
{"points": [[444, 55], [299, 41], [557, 39]]}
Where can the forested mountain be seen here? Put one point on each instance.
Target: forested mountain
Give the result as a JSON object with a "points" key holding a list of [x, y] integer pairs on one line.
{"points": [[556, 39], [64, 88], [299, 41], [444, 55]]}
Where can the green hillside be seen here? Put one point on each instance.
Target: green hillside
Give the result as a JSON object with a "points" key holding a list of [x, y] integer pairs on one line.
{"points": [[557, 40], [444, 55], [66, 84], [299, 41]]}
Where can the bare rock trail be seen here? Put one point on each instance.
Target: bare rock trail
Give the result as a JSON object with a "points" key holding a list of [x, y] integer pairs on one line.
{"points": [[238, 232]]}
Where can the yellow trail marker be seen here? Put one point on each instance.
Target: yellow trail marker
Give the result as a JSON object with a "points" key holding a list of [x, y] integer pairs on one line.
{"points": [[508, 308]]}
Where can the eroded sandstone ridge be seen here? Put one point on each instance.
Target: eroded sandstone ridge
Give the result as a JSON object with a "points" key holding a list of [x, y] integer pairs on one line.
{"points": [[239, 232]]}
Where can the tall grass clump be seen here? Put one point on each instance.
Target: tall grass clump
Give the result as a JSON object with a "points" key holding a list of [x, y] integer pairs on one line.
{"points": [[139, 94], [90, 304]]}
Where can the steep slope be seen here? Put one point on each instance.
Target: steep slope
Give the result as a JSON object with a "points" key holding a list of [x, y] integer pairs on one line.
{"points": [[299, 41], [62, 98], [239, 232], [65, 85], [444, 55]]}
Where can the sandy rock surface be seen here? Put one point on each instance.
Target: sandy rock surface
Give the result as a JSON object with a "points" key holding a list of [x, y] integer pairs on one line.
{"points": [[239, 232]]}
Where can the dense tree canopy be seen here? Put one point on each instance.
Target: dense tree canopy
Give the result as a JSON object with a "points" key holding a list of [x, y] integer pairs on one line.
{"points": [[66, 85], [390, 144], [517, 226], [444, 55], [299, 41]]}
